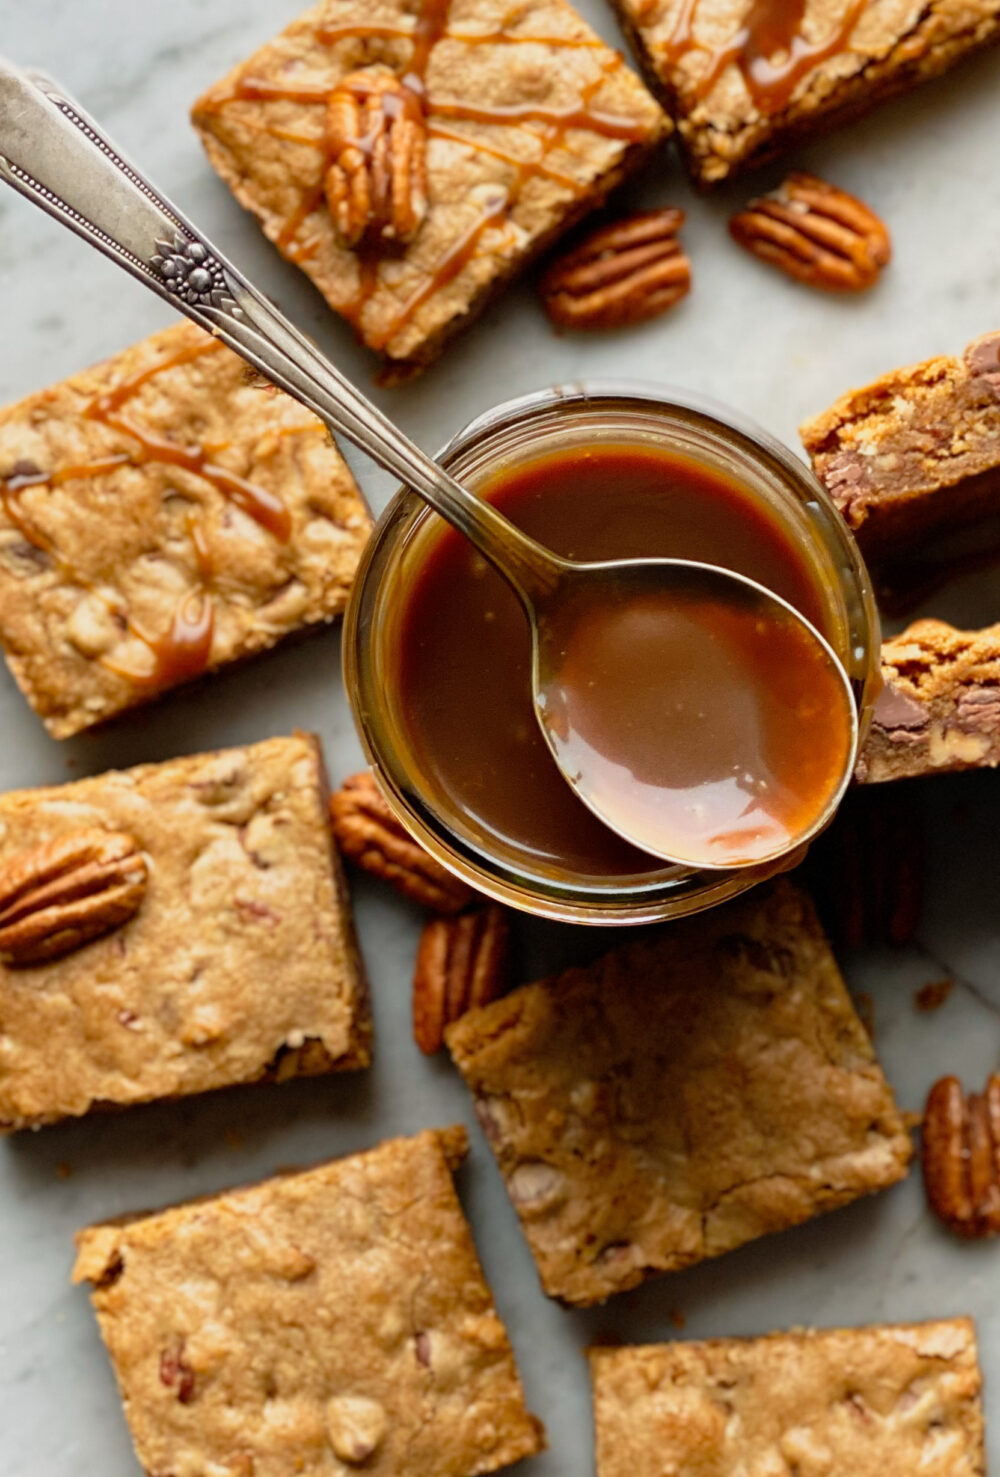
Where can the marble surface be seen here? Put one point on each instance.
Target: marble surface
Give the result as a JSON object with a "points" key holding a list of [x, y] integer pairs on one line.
{"points": [[928, 163]]}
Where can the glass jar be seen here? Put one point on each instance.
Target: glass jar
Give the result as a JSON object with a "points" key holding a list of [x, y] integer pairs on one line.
{"points": [[519, 431]]}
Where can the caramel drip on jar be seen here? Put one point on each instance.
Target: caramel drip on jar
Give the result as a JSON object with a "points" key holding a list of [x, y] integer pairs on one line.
{"points": [[769, 49]]}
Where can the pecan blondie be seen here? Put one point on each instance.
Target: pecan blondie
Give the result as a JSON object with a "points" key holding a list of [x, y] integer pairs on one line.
{"points": [[939, 708], [161, 515], [492, 128], [681, 1096], [231, 880], [900, 1398], [744, 79], [324, 1322], [915, 453]]}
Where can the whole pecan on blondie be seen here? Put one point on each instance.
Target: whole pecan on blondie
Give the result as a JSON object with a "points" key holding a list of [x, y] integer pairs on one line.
{"points": [[961, 1156], [461, 963], [621, 273], [370, 835], [63, 893], [376, 183], [816, 233]]}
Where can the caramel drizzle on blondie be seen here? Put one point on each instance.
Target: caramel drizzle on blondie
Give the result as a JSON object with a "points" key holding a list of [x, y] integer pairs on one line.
{"points": [[769, 49], [430, 29], [184, 650]]}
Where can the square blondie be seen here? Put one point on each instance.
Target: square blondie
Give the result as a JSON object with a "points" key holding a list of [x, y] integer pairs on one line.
{"points": [[324, 1322], [903, 1399], [745, 79], [681, 1096], [161, 515], [939, 707], [232, 959], [527, 121], [915, 454]]}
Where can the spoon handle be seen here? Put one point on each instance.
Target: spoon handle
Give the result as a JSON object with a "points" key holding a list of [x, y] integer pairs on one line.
{"points": [[52, 152]]}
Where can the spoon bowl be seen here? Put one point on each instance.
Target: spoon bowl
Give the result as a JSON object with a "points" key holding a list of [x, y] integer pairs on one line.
{"points": [[692, 710]]}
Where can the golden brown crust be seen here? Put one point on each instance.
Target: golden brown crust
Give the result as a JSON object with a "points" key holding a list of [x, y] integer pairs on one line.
{"points": [[939, 708], [916, 451], [608, 1096], [231, 508], [815, 232], [891, 47], [903, 1398], [243, 890], [406, 1367], [529, 127]]}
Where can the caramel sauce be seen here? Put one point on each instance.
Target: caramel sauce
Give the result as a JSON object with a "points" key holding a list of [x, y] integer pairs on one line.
{"points": [[431, 28], [769, 49], [184, 650], [461, 669], [703, 724]]}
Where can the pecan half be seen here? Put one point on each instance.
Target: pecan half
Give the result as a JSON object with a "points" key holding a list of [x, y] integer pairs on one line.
{"points": [[866, 871], [621, 273], [376, 182], [369, 833], [816, 233], [961, 1153], [66, 892], [461, 963]]}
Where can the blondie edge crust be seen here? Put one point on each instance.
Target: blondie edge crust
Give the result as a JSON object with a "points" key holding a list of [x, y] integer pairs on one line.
{"points": [[530, 121], [163, 514], [915, 453], [939, 708], [744, 80], [902, 1398], [240, 963], [406, 1371], [681, 1096]]}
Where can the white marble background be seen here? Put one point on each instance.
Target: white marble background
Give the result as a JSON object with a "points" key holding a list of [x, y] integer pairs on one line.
{"points": [[928, 163]]}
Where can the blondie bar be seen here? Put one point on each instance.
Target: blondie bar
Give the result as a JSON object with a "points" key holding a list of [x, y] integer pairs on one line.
{"points": [[323, 1322], [681, 1096], [939, 709], [173, 928], [914, 454], [743, 79], [161, 515], [903, 1398], [497, 127]]}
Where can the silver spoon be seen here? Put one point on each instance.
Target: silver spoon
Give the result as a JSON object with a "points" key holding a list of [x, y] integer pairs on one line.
{"points": [[52, 152]]}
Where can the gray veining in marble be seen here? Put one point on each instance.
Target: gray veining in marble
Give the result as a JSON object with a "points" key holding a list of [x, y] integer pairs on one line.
{"points": [[929, 164]]}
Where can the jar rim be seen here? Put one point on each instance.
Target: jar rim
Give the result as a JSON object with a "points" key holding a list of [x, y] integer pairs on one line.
{"points": [[644, 897]]}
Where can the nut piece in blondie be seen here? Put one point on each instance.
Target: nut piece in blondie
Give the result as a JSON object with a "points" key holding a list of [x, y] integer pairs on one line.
{"points": [[939, 708], [241, 889], [324, 1322], [744, 79], [901, 1398], [507, 125], [161, 515], [915, 454], [681, 1096]]}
